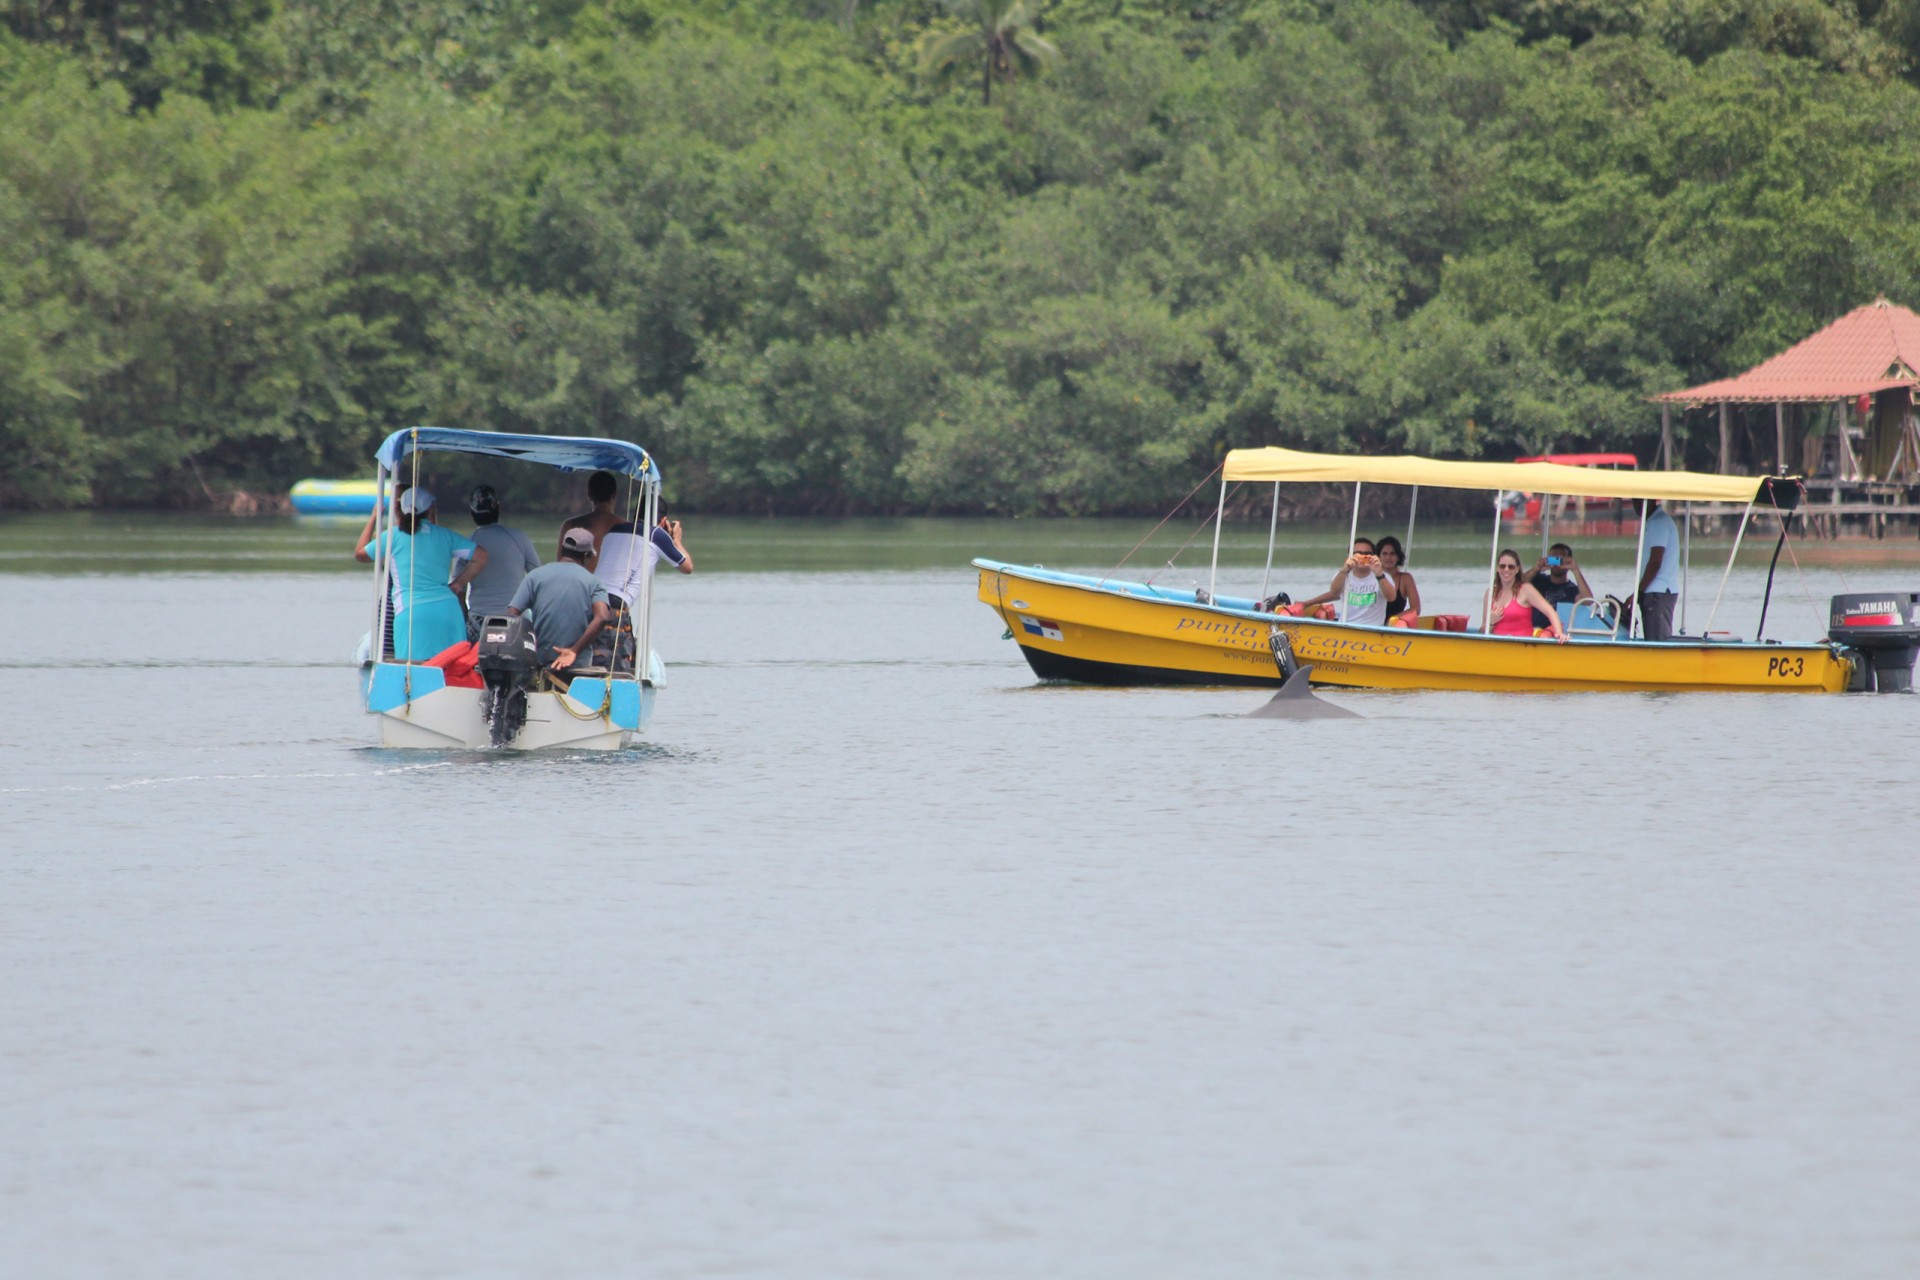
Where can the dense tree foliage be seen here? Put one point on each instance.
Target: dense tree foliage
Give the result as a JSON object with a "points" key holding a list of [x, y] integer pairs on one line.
{"points": [[241, 240]]}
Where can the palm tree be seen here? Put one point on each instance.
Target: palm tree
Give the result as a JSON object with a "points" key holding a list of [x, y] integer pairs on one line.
{"points": [[1000, 44]]}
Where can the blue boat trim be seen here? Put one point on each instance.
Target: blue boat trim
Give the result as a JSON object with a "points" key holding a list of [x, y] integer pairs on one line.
{"points": [[622, 705], [387, 690]]}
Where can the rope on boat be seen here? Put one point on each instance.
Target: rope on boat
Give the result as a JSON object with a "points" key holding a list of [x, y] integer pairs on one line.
{"points": [[413, 569], [1163, 520], [1205, 521], [606, 700], [1800, 575], [634, 503]]}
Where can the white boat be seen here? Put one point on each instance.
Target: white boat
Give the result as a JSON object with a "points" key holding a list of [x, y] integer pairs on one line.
{"points": [[599, 709]]}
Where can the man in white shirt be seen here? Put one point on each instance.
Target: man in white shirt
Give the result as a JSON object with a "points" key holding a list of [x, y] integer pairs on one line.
{"points": [[1659, 583], [1362, 590], [626, 558]]}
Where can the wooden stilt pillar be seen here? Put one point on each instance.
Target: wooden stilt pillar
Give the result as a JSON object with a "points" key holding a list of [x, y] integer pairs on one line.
{"points": [[1666, 437], [1779, 437], [1726, 440]]}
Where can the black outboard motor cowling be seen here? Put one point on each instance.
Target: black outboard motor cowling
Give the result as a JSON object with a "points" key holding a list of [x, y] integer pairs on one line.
{"points": [[1885, 627], [507, 644], [506, 657]]}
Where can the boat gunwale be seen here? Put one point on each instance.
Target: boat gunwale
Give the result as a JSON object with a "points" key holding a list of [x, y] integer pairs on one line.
{"points": [[1149, 594]]}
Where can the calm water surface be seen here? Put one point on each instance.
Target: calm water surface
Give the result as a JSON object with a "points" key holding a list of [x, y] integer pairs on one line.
{"points": [[880, 960]]}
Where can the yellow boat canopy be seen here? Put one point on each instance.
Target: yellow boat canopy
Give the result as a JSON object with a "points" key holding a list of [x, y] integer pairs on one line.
{"points": [[1527, 477]]}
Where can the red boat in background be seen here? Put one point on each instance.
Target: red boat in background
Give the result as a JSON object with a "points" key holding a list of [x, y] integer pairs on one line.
{"points": [[1603, 518]]}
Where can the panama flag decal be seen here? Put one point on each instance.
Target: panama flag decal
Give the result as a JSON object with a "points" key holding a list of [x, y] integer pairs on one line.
{"points": [[1041, 627]]}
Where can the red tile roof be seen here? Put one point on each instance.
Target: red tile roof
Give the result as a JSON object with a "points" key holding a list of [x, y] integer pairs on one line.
{"points": [[1871, 348]]}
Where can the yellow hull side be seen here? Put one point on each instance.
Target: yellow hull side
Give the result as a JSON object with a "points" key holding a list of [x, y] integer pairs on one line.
{"points": [[1108, 635]]}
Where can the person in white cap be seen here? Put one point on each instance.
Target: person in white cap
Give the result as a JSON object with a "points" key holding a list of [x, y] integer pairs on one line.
{"points": [[568, 604], [428, 616]]}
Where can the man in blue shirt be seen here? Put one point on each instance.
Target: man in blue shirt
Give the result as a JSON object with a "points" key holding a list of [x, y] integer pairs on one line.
{"points": [[1659, 571]]}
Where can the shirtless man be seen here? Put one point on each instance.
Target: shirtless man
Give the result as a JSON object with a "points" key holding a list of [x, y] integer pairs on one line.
{"points": [[602, 486]]}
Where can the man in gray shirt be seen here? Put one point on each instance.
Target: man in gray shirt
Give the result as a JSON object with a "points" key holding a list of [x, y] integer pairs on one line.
{"points": [[568, 604], [510, 557]]}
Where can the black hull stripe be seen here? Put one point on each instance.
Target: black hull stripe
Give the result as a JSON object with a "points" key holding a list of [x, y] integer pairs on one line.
{"points": [[1049, 665]]}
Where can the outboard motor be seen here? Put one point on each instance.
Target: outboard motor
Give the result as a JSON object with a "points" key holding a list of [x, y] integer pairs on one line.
{"points": [[1885, 627], [507, 656]]}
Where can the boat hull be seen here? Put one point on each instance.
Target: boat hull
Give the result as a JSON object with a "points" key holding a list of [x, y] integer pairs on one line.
{"points": [[418, 709], [1107, 632]]}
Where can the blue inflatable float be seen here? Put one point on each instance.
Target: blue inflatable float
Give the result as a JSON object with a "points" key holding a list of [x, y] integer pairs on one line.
{"points": [[334, 497]]}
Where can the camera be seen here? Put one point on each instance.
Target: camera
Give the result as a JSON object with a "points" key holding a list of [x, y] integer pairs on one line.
{"points": [[1553, 561]]}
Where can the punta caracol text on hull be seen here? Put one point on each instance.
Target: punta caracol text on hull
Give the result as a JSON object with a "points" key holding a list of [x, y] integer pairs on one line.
{"points": [[1109, 631]]}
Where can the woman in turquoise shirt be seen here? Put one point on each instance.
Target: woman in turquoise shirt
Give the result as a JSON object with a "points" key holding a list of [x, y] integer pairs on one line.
{"points": [[428, 616]]}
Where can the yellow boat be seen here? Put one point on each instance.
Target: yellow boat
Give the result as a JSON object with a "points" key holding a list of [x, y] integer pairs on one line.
{"points": [[1108, 631]]}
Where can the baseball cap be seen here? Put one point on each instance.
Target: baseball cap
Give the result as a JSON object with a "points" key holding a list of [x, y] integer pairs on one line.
{"points": [[415, 501], [483, 500], [580, 540]]}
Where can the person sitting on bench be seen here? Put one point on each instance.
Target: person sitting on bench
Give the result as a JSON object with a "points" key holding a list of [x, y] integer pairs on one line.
{"points": [[1362, 587], [565, 599], [1557, 577]]}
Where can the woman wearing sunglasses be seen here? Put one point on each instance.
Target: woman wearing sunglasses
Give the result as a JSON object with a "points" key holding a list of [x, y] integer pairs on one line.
{"points": [[1512, 600]]}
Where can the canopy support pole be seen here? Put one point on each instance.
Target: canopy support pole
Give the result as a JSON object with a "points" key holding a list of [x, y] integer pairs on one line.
{"points": [[1847, 463], [1639, 569], [1219, 516], [1739, 534], [1273, 530], [377, 646], [1686, 563], [643, 642], [1413, 505], [1493, 568], [1353, 532], [1546, 522]]}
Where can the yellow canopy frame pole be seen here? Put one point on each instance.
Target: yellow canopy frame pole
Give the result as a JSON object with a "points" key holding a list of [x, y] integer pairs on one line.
{"points": [[1273, 530], [1493, 567], [1413, 505], [1741, 533], [1219, 517], [1353, 532], [1639, 558], [1686, 564]]}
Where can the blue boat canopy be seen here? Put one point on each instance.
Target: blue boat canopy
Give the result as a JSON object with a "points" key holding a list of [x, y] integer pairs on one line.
{"points": [[564, 453]]}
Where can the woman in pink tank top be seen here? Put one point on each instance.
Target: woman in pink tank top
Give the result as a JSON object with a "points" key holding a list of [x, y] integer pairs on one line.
{"points": [[1511, 602]]}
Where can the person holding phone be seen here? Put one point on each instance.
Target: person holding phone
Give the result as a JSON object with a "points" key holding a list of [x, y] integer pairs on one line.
{"points": [[1557, 577], [627, 557], [1362, 587]]}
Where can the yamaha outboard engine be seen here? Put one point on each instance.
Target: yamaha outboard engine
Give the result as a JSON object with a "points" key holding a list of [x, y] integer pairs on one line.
{"points": [[1884, 626], [507, 657]]}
